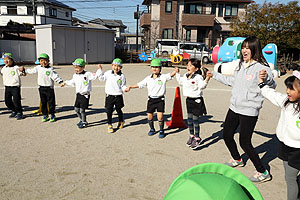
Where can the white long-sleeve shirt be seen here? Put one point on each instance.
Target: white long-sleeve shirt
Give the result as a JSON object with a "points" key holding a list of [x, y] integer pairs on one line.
{"points": [[192, 87], [46, 75], [156, 86], [115, 83], [83, 82], [288, 128], [11, 76]]}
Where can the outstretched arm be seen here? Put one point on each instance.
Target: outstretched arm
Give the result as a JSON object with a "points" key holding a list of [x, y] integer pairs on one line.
{"points": [[132, 86]]}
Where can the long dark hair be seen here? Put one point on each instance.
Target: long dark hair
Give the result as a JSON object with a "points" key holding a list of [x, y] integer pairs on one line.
{"points": [[256, 51], [197, 64], [289, 83]]}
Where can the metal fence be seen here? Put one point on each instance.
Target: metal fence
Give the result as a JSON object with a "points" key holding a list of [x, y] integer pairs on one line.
{"points": [[22, 51]]}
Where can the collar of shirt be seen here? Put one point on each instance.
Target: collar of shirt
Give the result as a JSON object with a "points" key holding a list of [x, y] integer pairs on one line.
{"points": [[250, 63], [158, 75], [193, 75], [83, 72], [119, 73]]}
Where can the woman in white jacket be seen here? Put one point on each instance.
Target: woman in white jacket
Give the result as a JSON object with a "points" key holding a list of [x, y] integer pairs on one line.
{"points": [[288, 128]]}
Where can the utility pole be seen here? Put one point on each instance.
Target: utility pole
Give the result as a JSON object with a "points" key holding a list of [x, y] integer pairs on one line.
{"points": [[33, 12], [137, 16]]}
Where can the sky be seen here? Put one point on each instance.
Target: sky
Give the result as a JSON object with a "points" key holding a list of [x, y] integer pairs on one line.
{"points": [[87, 10]]}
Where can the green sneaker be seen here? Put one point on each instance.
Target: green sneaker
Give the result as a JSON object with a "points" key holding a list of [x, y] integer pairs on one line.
{"points": [[52, 118], [45, 118]]}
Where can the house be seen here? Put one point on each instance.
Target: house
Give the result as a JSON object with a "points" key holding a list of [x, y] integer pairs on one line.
{"points": [[206, 21], [116, 25], [47, 12]]}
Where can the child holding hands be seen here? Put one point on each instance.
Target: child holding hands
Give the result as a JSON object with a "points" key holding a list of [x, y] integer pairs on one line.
{"points": [[193, 82], [288, 128], [114, 87], [12, 82], [46, 77], [82, 80], [156, 84]]}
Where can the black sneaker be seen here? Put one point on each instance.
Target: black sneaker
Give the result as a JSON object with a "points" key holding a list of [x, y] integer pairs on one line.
{"points": [[196, 143], [151, 132], [19, 116], [190, 140], [13, 115], [82, 125]]}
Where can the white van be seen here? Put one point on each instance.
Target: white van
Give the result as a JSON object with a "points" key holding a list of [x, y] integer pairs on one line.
{"points": [[195, 49], [165, 47]]}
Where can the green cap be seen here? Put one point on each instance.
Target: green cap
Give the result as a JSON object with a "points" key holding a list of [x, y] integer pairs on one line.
{"points": [[7, 55], [155, 63], [43, 56], [117, 61], [212, 181], [79, 62]]}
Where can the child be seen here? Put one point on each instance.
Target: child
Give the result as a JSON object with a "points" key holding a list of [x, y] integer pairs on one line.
{"points": [[12, 82], [46, 78], [245, 103], [193, 82], [288, 128], [114, 87], [83, 83], [156, 84]]}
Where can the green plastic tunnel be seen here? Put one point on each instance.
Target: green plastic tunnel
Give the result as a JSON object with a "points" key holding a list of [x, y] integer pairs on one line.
{"points": [[212, 181]]}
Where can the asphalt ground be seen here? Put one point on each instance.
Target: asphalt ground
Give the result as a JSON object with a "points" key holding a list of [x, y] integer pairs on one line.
{"points": [[59, 161]]}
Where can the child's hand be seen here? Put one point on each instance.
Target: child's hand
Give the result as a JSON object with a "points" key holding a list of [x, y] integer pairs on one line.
{"points": [[62, 84], [21, 68], [127, 89], [262, 75], [209, 74], [176, 69], [100, 67]]}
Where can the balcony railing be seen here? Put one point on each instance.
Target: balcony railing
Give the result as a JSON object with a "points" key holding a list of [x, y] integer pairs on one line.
{"points": [[198, 19]]}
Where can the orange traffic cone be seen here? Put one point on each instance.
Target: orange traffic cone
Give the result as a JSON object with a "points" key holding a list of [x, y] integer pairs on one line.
{"points": [[176, 118]]}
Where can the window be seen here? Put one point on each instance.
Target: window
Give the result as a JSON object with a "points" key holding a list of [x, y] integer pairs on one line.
{"points": [[67, 14], [193, 8], [231, 10], [53, 12], [188, 35], [12, 10], [168, 8], [29, 10], [213, 9], [167, 34], [220, 13]]}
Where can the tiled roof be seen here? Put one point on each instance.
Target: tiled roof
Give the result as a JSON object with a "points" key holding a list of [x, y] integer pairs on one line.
{"points": [[108, 22]]}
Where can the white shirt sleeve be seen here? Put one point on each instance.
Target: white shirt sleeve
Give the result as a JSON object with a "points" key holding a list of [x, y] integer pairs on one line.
{"points": [[276, 98], [143, 83], [32, 70], [101, 75]]}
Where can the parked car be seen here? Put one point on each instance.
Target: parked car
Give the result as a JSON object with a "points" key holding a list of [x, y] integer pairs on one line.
{"points": [[196, 50], [165, 47]]}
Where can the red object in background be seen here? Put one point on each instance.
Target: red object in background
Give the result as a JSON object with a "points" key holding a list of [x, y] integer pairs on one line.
{"points": [[186, 56], [215, 54], [177, 117]]}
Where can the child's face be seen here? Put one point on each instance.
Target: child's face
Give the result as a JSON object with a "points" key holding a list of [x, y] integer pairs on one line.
{"points": [[191, 68], [246, 53], [78, 69], [7, 61], [155, 70], [294, 94], [116, 68], [44, 62]]}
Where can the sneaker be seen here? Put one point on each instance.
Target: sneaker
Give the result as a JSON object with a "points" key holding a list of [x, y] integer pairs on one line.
{"points": [[121, 125], [19, 116], [261, 177], [82, 125], [190, 140], [235, 163], [79, 123], [195, 143], [151, 132], [13, 115], [52, 118], [110, 129], [161, 134], [45, 118]]}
